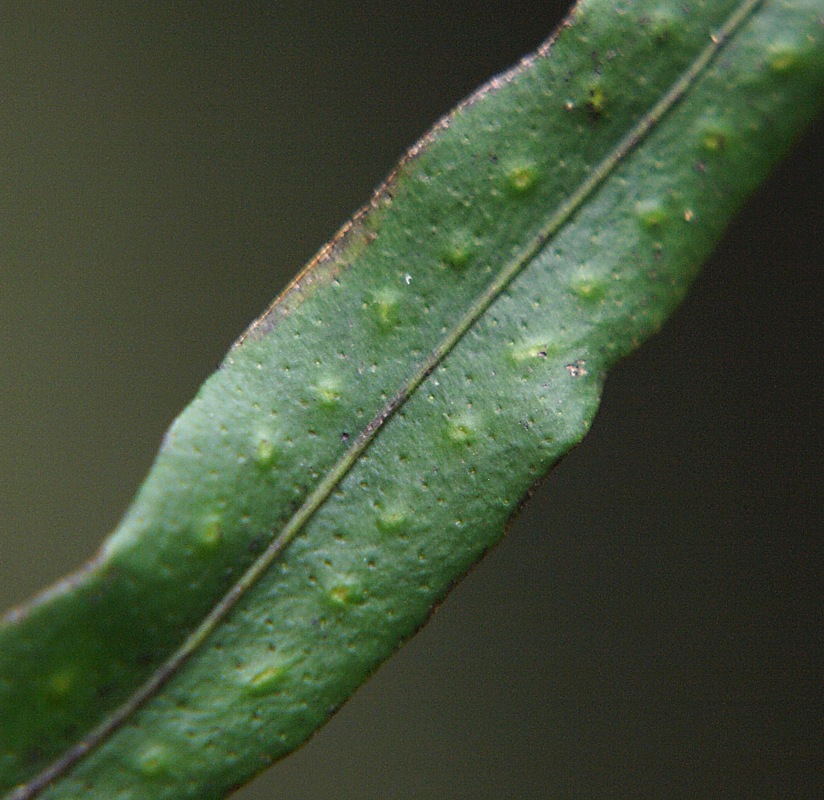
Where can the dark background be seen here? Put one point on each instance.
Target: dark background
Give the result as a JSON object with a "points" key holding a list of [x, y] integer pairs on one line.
{"points": [[652, 626]]}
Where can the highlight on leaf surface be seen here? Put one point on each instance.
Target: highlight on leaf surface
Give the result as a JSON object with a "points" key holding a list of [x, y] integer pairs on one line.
{"points": [[369, 437]]}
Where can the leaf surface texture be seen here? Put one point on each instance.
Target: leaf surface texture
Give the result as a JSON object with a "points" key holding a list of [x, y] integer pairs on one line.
{"points": [[367, 439]]}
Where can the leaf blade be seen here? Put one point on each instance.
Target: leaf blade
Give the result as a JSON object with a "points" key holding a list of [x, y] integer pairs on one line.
{"points": [[459, 432]]}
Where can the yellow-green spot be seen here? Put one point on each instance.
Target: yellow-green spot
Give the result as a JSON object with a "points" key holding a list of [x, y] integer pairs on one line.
{"points": [[785, 55], [651, 212], [531, 350], [597, 100], [385, 309], [392, 520], [328, 391], [715, 137], [462, 428], [210, 531], [340, 594], [713, 141], [268, 674], [267, 680], [589, 290], [521, 178], [152, 760], [265, 453], [457, 254], [60, 683], [346, 591]]}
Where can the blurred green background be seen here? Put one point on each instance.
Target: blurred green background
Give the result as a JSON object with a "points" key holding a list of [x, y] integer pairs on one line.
{"points": [[652, 626]]}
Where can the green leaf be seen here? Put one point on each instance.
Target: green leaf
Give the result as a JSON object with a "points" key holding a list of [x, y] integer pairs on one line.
{"points": [[370, 436]]}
